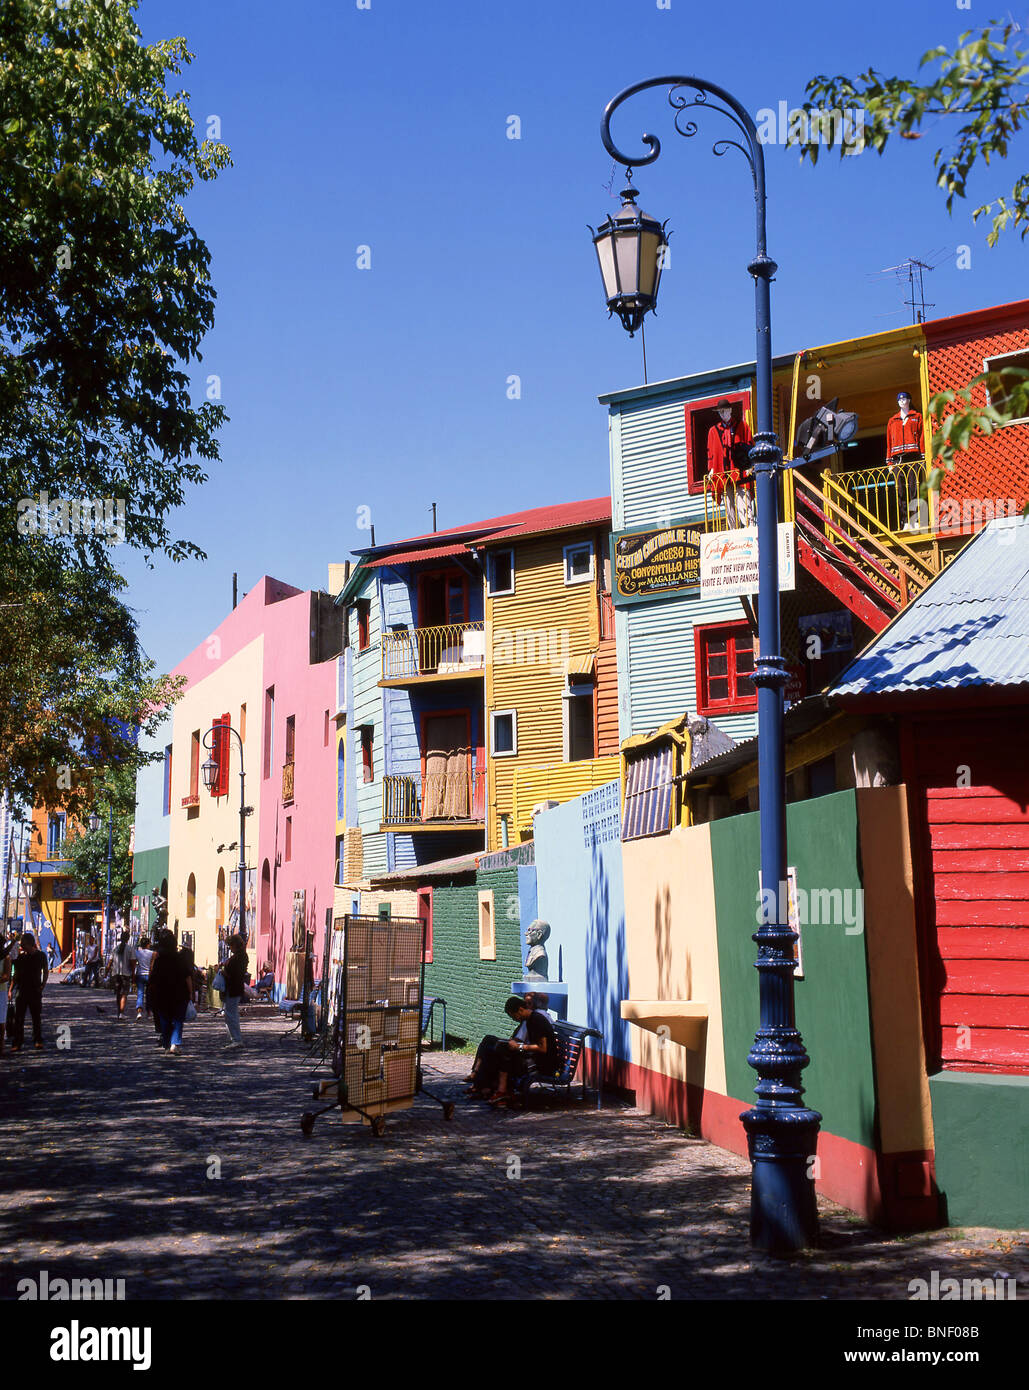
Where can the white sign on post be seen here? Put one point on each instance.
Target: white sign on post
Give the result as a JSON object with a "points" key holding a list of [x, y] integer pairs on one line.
{"points": [[729, 562]]}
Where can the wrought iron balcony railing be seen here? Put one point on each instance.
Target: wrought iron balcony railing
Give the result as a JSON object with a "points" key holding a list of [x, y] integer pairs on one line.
{"points": [[455, 649], [433, 798]]}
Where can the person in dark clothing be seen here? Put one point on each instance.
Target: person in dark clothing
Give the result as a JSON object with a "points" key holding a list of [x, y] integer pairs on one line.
{"points": [[170, 991], [29, 977], [497, 1059], [234, 969]]}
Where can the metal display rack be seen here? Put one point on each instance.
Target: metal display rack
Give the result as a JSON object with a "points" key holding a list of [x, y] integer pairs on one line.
{"points": [[375, 1006]]}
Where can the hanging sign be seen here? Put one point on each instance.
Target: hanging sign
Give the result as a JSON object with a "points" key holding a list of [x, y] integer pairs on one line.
{"points": [[729, 562], [652, 562]]}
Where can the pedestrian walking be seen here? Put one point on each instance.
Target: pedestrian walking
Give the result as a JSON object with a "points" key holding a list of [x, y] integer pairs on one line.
{"points": [[122, 968], [29, 977], [234, 971], [170, 991], [91, 974], [144, 956], [5, 987]]}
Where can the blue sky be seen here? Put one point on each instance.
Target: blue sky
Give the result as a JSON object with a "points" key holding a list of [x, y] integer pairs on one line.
{"points": [[387, 128]]}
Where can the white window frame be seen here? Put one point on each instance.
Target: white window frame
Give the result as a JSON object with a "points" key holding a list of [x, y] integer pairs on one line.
{"points": [[990, 364], [579, 578], [487, 949], [491, 555], [578, 691], [497, 714]]}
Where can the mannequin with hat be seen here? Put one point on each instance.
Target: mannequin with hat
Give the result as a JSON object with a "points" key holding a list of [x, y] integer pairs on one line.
{"points": [[728, 443], [904, 445]]}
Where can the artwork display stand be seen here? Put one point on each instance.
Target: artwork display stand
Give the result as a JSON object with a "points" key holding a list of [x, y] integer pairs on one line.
{"points": [[376, 987]]}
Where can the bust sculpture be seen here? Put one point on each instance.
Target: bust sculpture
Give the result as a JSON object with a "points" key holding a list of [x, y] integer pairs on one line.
{"points": [[536, 962]]}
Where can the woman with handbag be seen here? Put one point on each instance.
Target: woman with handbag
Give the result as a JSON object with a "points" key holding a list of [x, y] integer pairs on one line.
{"points": [[233, 972], [171, 990]]}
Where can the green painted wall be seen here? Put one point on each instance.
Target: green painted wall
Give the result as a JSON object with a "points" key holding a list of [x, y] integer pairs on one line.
{"points": [[475, 989], [149, 868], [832, 998], [981, 1125]]}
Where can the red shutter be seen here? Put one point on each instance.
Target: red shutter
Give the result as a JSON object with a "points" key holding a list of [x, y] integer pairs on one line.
{"points": [[220, 754]]}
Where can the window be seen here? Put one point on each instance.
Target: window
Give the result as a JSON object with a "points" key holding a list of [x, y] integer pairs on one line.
{"points": [[219, 897], [425, 913], [340, 861], [243, 722], [364, 611], [269, 730], [194, 763], [997, 364], [288, 852], [367, 753], [385, 911], [700, 416], [54, 834], [579, 563], [504, 733], [191, 896], [341, 779], [500, 572], [166, 811], [325, 729], [579, 737], [725, 659], [487, 927], [291, 738]]}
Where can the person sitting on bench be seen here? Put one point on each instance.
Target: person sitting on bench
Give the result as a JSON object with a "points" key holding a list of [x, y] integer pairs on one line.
{"points": [[498, 1059], [266, 982]]}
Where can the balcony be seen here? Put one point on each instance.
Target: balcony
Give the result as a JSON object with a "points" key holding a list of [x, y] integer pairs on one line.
{"points": [[434, 801], [421, 654], [287, 783], [558, 782]]}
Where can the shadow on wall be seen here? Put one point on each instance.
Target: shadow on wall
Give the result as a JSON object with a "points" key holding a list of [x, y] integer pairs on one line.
{"points": [[604, 993]]}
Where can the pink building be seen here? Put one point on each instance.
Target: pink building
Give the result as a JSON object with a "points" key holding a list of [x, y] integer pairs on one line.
{"points": [[268, 673]]}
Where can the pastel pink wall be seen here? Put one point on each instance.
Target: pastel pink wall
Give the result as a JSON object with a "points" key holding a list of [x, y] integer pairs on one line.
{"points": [[306, 692], [282, 615]]}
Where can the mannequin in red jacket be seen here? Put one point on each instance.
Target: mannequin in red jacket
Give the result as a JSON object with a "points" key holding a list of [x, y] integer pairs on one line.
{"points": [[725, 439], [904, 445]]}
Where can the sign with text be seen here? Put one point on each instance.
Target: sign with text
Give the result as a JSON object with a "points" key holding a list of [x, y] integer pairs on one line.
{"points": [[729, 562], [650, 562]]}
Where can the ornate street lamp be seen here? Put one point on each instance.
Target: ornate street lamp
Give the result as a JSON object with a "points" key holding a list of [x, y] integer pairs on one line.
{"points": [[631, 251], [781, 1131], [95, 822]]}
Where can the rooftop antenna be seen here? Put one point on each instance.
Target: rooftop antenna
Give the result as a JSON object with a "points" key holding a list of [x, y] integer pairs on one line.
{"points": [[912, 272], [434, 516]]}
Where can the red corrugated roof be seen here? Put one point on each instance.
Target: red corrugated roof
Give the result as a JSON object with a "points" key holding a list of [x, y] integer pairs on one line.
{"points": [[532, 522], [406, 557]]}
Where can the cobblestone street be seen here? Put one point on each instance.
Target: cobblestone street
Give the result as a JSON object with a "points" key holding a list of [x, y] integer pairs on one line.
{"points": [[110, 1148]]}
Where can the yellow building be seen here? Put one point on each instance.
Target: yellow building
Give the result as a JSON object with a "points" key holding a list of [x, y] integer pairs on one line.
{"points": [[551, 681]]}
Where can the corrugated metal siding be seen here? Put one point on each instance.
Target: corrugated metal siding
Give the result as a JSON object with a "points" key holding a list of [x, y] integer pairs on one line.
{"points": [[653, 465], [660, 663], [607, 699], [368, 710], [553, 622]]}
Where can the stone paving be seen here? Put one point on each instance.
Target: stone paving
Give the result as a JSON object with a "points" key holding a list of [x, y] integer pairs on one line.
{"points": [[111, 1150]]}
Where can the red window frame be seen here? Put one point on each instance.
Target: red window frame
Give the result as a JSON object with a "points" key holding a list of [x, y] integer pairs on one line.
{"points": [[194, 763], [702, 638], [448, 577], [220, 754], [425, 912], [364, 611], [696, 467]]}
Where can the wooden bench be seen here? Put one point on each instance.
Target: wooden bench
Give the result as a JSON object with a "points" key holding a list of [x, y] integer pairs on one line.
{"points": [[571, 1043]]}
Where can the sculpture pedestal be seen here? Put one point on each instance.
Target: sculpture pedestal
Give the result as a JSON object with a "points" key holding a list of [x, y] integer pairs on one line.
{"points": [[555, 990]]}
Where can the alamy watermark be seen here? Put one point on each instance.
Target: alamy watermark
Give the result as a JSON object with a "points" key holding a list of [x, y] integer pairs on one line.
{"points": [[47, 1290], [840, 129], [62, 516], [830, 907], [1000, 1286]]}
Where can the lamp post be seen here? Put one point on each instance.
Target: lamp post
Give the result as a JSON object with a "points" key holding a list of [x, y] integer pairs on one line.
{"points": [[94, 825], [781, 1131], [210, 770]]}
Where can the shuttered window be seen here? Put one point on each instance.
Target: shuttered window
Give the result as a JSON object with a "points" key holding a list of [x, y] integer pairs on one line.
{"points": [[724, 661], [648, 793], [220, 754]]}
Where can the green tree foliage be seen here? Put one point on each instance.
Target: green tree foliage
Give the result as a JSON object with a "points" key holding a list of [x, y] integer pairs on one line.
{"points": [[105, 295], [974, 100]]}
